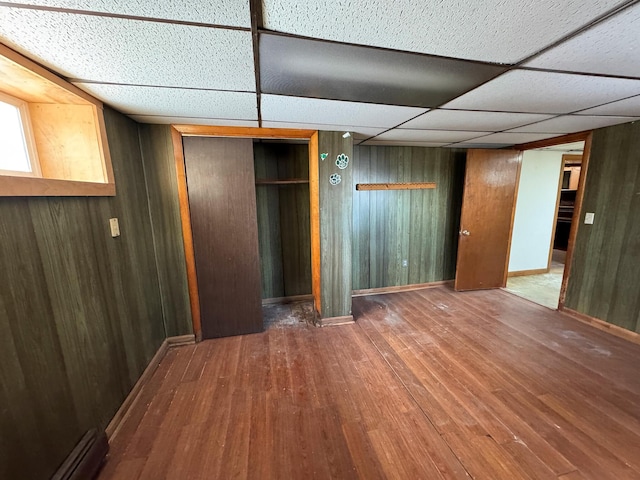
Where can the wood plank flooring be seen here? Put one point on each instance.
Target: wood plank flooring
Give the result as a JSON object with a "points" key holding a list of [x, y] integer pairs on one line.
{"points": [[428, 384]]}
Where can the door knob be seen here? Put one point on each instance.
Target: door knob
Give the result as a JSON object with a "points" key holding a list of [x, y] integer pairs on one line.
{"points": [[465, 233]]}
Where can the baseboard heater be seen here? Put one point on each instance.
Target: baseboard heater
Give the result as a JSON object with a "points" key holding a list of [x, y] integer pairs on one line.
{"points": [[86, 458]]}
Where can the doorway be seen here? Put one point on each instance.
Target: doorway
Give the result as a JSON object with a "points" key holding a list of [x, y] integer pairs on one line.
{"points": [[545, 214]]}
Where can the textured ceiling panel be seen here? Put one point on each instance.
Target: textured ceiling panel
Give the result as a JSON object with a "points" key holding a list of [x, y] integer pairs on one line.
{"points": [[429, 135], [478, 145], [131, 51], [610, 48], [493, 30], [404, 143], [312, 68], [474, 121], [506, 138], [543, 92], [572, 124], [357, 132], [221, 12], [193, 121], [332, 112], [629, 107], [175, 101]]}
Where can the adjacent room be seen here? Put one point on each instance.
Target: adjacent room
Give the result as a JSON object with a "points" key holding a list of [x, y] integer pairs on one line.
{"points": [[337, 239]]}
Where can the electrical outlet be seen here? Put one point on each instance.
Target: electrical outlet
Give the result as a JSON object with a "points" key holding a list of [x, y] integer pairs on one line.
{"points": [[405, 263], [589, 217], [115, 227]]}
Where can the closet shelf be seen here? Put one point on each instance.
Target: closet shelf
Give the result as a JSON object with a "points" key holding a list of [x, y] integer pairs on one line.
{"points": [[290, 181]]}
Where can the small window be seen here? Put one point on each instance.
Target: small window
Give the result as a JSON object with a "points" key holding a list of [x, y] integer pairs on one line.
{"points": [[17, 153]]}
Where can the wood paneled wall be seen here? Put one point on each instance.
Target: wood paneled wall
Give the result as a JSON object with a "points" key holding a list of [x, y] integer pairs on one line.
{"points": [[605, 274], [419, 226], [283, 219], [335, 209], [164, 207], [80, 312]]}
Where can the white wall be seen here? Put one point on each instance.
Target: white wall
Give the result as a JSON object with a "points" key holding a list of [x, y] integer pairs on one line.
{"points": [[535, 210]]}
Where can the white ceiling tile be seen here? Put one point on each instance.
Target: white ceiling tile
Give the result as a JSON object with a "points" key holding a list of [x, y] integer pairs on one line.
{"points": [[404, 143], [629, 107], [437, 136], [478, 145], [131, 51], [609, 47], [334, 112], [572, 124], [493, 31], [357, 132], [175, 101], [544, 92], [193, 121], [221, 12], [472, 120], [511, 138]]}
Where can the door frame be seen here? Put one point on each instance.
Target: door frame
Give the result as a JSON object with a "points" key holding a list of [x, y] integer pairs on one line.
{"points": [[179, 131], [586, 137]]}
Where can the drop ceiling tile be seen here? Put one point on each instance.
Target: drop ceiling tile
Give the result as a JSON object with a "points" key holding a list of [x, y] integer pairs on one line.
{"points": [[544, 92], [115, 50], [403, 143], [472, 120], [505, 138], [357, 132], [572, 124], [160, 120], [179, 102], [609, 48], [221, 12], [313, 68], [497, 31], [629, 107], [437, 136], [333, 112], [479, 145]]}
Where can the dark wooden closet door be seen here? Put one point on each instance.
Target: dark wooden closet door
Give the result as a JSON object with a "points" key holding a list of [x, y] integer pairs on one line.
{"points": [[222, 201]]}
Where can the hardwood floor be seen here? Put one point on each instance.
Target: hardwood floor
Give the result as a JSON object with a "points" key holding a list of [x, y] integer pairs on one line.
{"points": [[427, 384]]}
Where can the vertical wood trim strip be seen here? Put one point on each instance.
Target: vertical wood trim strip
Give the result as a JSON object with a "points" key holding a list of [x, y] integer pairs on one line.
{"points": [[103, 145], [575, 223], [187, 233], [513, 218], [314, 197]]}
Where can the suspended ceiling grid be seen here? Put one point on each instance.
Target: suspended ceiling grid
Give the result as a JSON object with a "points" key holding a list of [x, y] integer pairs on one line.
{"points": [[409, 72]]}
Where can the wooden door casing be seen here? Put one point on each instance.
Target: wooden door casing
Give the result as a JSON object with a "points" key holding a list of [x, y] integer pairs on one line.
{"points": [[221, 189], [486, 221]]}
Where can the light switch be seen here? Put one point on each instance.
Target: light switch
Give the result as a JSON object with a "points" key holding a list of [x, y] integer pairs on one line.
{"points": [[588, 218], [115, 228]]}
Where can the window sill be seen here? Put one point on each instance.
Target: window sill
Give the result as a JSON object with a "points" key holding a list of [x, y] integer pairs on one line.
{"points": [[11, 186]]}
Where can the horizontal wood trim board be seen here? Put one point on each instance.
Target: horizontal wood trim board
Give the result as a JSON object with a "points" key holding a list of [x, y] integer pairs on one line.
{"points": [[523, 273], [335, 321], [42, 187], [244, 132], [118, 419], [399, 288], [572, 137], [620, 332], [395, 186], [285, 300]]}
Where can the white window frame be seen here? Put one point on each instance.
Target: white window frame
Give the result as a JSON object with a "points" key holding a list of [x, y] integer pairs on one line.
{"points": [[29, 139]]}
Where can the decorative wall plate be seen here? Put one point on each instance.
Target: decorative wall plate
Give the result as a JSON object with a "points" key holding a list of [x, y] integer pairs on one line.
{"points": [[342, 161], [335, 179]]}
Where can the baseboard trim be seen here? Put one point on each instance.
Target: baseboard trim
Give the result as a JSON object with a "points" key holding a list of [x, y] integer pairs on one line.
{"points": [[128, 403], [285, 300], [620, 332], [181, 340], [335, 321], [522, 273], [399, 288]]}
